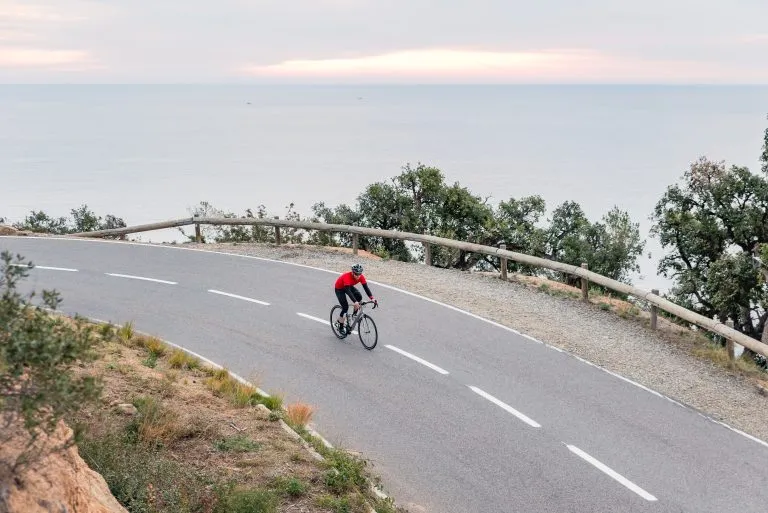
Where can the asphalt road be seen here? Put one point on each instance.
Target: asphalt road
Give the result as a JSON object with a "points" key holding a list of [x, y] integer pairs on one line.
{"points": [[487, 421]]}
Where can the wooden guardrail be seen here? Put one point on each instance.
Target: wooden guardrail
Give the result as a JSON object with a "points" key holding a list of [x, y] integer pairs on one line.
{"points": [[502, 253]]}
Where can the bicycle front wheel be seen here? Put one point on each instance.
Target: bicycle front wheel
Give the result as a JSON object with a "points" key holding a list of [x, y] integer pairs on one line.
{"points": [[366, 330], [335, 312]]}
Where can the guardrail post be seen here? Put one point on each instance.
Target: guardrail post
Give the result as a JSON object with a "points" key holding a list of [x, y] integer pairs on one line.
{"points": [[198, 235], [503, 263], [427, 254], [277, 233], [585, 285], [654, 311], [729, 347], [354, 243]]}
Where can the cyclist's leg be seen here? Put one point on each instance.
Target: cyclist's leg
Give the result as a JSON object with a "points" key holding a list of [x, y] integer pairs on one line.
{"points": [[358, 298], [358, 295], [342, 298]]}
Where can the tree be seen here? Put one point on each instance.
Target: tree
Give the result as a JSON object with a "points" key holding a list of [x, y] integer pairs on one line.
{"points": [[516, 225], [385, 206], [715, 222], [38, 354], [40, 222], [83, 220], [609, 247], [418, 200], [342, 214], [462, 216]]}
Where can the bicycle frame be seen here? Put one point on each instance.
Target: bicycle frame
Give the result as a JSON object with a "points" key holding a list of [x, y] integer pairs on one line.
{"points": [[354, 319]]}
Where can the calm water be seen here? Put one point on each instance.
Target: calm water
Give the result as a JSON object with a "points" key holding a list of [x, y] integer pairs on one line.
{"points": [[147, 153]]}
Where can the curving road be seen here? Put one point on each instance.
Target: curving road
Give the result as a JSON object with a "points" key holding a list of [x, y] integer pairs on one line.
{"points": [[458, 414]]}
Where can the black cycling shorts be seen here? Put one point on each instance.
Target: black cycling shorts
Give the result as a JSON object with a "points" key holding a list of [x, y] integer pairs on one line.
{"points": [[341, 295]]}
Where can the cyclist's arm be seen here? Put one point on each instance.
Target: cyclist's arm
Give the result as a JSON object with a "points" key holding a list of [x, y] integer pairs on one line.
{"points": [[367, 290]]}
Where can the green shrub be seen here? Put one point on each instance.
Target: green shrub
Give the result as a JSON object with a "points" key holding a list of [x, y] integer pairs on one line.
{"points": [[38, 356], [143, 480], [248, 501]]}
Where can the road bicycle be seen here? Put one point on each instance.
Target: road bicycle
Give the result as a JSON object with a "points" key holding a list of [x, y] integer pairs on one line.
{"points": [[366, 328]]}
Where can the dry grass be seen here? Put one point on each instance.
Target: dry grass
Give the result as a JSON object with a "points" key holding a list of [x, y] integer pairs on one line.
{"points": [[125, 332], [719, 355], [198, 438], [155, 423], [299, 413], [222, 384], [182, 360]]}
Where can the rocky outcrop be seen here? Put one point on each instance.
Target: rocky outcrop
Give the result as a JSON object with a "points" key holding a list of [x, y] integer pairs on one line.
{"points": [[59, 482]]}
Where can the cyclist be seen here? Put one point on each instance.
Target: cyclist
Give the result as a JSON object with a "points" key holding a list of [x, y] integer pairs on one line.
{"points": [[345, 286]]}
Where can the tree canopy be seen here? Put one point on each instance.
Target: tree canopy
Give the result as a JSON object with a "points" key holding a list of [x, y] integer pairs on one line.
{"points": [[714, 224], [420, 200]]}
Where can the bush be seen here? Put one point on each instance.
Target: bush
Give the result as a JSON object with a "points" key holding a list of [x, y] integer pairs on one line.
{"points": [[82, 220], [38, 354]]}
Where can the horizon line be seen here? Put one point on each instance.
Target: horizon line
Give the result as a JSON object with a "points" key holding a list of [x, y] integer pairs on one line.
{"points": [[395, 84]]}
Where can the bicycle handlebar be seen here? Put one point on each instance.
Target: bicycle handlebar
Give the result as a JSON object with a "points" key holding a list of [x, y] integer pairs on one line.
{"points": [[375, 304]]}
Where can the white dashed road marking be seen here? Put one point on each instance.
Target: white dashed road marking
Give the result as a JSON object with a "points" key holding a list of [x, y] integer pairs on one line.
{"points": [[140, 278], [312, 318], [416, 358], [239, 297], [618, 477], [505, 406]]}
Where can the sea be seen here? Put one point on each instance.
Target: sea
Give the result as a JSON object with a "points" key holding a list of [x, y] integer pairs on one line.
{"points": [[148, 153]]}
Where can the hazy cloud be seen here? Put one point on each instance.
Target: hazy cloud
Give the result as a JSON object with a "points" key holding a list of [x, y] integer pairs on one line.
{"points": [[30, 34], [32, 58], [200, 40], [756, 38], [472, 66]]}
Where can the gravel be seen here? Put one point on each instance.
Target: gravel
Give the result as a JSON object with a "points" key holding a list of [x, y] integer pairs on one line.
{"points": [[622, 346]]}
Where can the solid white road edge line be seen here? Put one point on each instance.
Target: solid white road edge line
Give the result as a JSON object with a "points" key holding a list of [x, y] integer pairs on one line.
{"points": [[140, 278], [239, 297], [615, 475], [47, 267], [417, 359], [251, 257], [505, 406]]}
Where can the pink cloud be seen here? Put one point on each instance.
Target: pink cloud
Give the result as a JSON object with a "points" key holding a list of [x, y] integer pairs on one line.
{"points": [[16, 35], [35, 13], [441, 63], [756, 38], [42, 58]]}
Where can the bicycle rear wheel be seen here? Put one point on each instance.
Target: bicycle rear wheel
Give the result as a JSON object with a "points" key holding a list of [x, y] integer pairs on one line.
{"points": [[366, 330], [335, 312]]}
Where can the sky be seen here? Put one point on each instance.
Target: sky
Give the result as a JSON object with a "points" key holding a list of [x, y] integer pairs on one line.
{"points": [[383, 41]]}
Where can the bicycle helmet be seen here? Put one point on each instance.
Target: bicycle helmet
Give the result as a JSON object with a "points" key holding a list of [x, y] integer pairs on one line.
{"points": [[357, 269]]}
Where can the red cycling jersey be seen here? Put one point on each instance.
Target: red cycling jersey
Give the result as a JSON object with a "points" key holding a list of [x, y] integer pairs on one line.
{"points": [[347, 279]]}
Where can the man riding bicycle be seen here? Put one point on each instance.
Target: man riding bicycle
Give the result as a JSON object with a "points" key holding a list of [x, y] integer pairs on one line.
{"points": [[345, 286]]}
